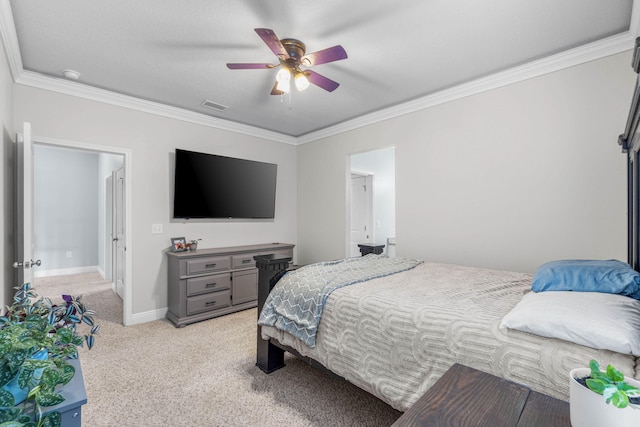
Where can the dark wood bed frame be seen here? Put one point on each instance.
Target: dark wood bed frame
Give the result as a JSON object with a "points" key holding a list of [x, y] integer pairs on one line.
{"points": [[270, 353], [630, 143]]}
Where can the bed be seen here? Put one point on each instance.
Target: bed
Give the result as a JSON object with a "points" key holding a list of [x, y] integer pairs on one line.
{"points": [[395, 335]]}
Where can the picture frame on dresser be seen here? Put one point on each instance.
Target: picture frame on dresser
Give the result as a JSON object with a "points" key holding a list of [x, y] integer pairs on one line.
{"points": [[178, 244]]}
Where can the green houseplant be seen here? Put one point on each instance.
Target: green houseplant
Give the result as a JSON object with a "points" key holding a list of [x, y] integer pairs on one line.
{"points": [[611, 384], [603, 397], [37, 338]]}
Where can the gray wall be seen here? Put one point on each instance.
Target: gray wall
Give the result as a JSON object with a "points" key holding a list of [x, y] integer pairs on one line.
{"points": [[508, 179], [66, 207], [151, 140], [7, 180]]}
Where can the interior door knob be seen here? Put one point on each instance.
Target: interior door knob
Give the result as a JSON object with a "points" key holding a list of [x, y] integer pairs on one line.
{"points": [[17, 264]]}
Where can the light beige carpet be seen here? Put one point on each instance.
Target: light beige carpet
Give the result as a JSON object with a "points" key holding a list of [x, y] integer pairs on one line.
{"points": [[54, 287], [204, 374]]}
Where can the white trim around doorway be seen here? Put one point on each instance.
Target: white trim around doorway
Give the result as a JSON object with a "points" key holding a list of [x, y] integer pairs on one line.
{"points": [[127, 306]]}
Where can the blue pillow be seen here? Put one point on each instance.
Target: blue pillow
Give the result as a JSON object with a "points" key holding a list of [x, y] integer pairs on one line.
{"points": [[610, 276]]}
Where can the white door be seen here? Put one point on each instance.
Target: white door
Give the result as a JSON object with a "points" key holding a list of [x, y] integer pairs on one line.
{"points": [[361, 212], [119, 239], [24, 207]]}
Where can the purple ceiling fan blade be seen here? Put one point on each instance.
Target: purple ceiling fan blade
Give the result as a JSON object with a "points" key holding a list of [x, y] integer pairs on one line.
{"points": [[244, 66], [322, 81], [271, 40], [330, 54]]}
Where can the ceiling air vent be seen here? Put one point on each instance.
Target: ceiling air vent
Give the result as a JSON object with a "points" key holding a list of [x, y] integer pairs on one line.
{"points": [[213, 105]]}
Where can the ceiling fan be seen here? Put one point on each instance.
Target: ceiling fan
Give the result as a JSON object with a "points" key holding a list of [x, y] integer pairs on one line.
{"points": [[291, 56]]}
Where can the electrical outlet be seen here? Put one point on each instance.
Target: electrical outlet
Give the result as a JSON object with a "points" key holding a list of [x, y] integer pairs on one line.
{"points": [[156, 228], [69, 254]]}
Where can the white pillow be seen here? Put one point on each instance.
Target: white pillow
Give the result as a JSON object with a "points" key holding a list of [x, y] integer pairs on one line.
{"points": [[594, 319]]}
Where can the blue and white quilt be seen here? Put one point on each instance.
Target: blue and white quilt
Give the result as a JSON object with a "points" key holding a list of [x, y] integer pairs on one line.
{"points": [[296, 302]]}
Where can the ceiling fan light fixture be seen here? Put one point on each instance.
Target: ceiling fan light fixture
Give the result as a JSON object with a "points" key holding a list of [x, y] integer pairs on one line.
{"points": [[284, 75], [284, 86], [301, 81]]}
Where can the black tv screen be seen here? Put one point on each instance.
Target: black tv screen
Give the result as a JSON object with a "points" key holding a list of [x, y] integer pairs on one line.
{"points": [[212, 186]]}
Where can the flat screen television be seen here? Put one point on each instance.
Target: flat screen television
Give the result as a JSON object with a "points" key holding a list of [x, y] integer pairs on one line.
{"points": [[212, 186]]}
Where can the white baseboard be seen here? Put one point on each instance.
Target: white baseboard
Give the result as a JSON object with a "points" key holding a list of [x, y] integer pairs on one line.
{"points": [[65, 271], [148, 316]]}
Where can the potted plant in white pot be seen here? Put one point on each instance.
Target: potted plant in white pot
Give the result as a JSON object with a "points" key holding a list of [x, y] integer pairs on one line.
{"points": [[37, 338], [600, 398]]}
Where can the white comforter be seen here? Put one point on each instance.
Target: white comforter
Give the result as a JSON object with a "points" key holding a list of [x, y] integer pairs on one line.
{"points": [[395, 336]]}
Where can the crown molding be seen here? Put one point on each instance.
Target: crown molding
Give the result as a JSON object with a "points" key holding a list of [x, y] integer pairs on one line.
{"points": [[580, 55], [37, 80], [570, 58], [10, 39]]}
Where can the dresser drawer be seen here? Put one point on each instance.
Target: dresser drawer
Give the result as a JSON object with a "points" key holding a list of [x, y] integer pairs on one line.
{"points": [[208, 264], [208, 302], [244, 260], [205, 284]]}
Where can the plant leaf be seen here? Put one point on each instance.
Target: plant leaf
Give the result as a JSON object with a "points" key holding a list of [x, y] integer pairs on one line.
{"points": [[618, 399], [50, 377], [66, 373], [5, 374], [52, 419], [614, 374], [49, 399], [25, 378], [6, 399], [596, 385], [90, 340], [87, 319]]}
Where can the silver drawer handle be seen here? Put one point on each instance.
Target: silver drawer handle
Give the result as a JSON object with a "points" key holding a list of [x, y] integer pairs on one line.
{"points": [[246, 261], [210, 265], [208, 303], [210, 285]]}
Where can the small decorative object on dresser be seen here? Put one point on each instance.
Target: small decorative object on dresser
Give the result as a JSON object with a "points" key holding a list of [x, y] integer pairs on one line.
{"points": [[192, 245], [178, 244], [215, 281], [599, 398]]}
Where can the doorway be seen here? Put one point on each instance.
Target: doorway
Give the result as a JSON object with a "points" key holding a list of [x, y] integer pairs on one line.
{"points": [[371, 216], [79, 242], [362, 230]]}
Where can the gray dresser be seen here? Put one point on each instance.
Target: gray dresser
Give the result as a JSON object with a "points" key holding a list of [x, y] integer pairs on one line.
{"points": [[208, 283]]}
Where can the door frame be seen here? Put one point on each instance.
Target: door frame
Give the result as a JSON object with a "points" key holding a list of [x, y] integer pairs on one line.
{"points": [[347, 211], [127, 306]]}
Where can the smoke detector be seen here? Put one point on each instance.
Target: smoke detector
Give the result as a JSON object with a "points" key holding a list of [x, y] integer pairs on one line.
{"points": [[71, 74]]}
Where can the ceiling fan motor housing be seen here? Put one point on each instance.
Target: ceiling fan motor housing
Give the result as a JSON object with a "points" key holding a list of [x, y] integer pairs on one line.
{"points": [[295, 48]]}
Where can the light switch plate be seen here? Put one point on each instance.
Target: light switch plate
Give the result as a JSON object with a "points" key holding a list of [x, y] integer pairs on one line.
{"points": [[156, 228]]}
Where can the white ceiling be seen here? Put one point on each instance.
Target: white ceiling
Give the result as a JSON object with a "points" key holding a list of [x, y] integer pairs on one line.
{"points": [[403, 54]]}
